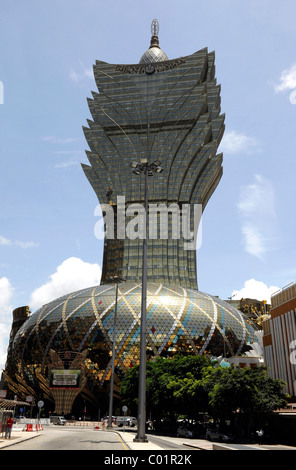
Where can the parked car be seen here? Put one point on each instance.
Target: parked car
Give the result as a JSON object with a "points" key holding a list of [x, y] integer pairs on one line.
{"points": [[183, 431], [214, 434]]}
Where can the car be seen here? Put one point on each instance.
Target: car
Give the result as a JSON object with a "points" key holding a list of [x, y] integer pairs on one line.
{"points": [[213, 434], [183, 431]]}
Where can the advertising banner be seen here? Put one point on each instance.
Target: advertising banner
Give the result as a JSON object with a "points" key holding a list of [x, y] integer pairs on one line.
{"points": [[65, 378]]}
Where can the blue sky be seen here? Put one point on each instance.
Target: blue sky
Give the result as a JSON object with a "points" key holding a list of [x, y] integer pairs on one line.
{"points": [[47, 242]]}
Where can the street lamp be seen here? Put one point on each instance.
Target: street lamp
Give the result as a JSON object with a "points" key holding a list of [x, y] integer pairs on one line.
{"points": [[117, 280], [148, 169]]}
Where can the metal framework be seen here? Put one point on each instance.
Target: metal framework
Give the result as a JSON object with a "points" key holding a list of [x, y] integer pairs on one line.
{"points": [[162, 116], [166, 111]]}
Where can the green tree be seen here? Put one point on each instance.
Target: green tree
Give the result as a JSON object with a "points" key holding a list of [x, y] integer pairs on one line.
{"points": [[186, 386], [172, 385], [244, 396]]}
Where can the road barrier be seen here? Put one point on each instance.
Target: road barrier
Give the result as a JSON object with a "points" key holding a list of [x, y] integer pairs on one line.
{"points": [[38, 427]]}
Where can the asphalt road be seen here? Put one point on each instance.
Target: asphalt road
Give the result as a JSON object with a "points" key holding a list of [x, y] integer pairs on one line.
{"points": [[58, 438]]}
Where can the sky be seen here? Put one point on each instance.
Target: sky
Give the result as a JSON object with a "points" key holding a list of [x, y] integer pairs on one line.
{"points": [[47, 207]]}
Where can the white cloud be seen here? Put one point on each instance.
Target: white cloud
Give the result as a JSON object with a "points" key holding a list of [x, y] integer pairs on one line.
{"points": [[287, 80], [77, 157], [236, 142], [73, 274], [6, 308], [26, 244], [66, 164], [257, 211], [69, 152], [254, 241], [255, 290], [84, 73], [58, 140], [7, 242]]}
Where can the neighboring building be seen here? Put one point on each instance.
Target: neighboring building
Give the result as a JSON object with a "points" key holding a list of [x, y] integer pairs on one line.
{"points": [[245, 362], [255, 310], [164, 110], [253, 357], [19, 316], [279, 337]]}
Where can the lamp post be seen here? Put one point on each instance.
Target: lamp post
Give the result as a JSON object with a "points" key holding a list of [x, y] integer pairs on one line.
{"points": [[117, 280], [148, 169]]}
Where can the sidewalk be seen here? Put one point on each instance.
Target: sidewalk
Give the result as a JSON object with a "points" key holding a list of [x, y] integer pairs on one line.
{"points": [[128, 438], [18, 436], [196, 444]]}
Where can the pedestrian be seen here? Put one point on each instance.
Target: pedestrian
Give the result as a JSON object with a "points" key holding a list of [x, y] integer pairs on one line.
{"points": [[260, 434], [9, 424]]}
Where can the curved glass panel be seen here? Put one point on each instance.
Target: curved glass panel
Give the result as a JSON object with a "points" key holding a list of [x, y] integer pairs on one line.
{"points": [[178, 320], [154, 54]]}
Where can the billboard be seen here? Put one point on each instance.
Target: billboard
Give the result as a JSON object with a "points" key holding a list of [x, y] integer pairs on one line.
{"points": [[65, 379]]}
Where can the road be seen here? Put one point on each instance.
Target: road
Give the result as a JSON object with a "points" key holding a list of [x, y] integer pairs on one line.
{"points": [[60, 438], [80, 438]]}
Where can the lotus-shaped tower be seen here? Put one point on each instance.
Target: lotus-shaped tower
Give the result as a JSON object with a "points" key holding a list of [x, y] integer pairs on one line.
{"points": [[158, 110]]}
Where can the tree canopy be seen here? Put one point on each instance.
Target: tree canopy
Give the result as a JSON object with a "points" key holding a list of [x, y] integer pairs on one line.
{"points": [[186, 386]]}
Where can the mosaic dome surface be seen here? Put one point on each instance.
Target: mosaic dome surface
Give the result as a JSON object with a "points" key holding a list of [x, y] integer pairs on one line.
{"points": [[153, 54], [178, 321]]}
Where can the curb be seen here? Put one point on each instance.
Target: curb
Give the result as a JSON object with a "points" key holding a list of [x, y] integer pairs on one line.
{"points": [[17, 441]]}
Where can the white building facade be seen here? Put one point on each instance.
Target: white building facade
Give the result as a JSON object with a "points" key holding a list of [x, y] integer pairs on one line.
{"points": [[279, 338]]}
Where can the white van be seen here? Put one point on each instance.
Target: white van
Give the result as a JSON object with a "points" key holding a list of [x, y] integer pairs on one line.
{"points": [[126, 421], [58, 420]]}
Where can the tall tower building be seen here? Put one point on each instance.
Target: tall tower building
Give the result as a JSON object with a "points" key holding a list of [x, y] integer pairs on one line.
{"points": [[159, 110]]}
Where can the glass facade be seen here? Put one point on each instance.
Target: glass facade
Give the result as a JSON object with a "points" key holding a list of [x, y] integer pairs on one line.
{"points": [[179, 321], [167, 111]]}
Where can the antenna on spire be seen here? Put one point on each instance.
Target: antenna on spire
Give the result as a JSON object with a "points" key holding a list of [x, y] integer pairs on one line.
{"points": [[154, 33], [154, 27]]}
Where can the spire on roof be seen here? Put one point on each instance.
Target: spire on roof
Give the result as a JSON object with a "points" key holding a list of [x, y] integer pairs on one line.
{"points": [[154, 53]]}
